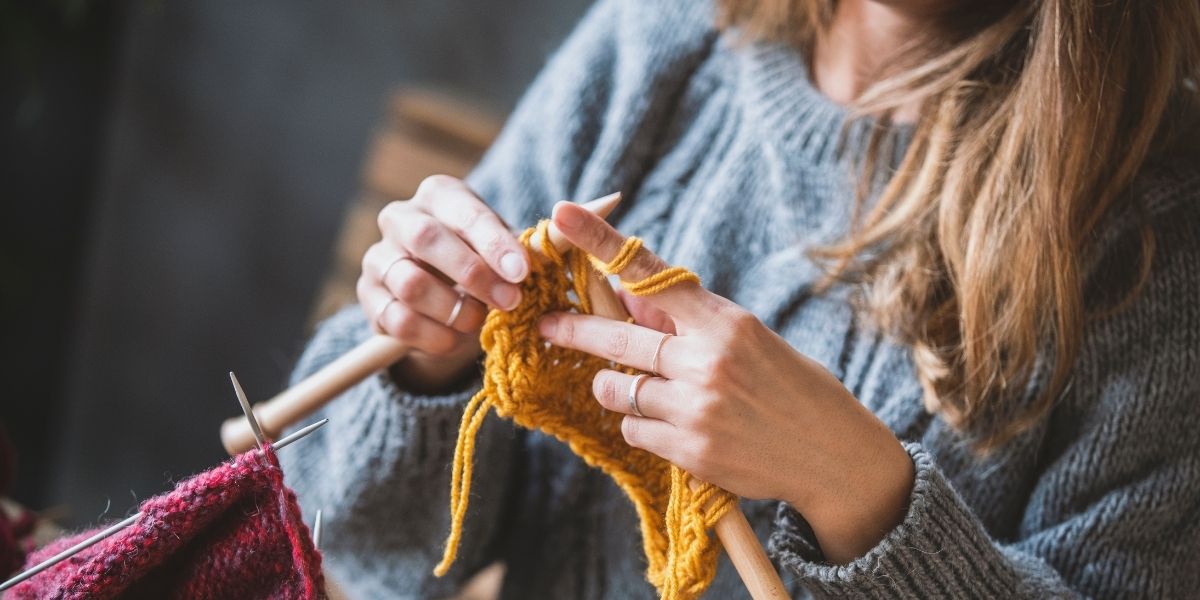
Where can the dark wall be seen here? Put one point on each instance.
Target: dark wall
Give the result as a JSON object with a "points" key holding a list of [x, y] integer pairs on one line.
{"points": [[235, 132], [56, 60]]}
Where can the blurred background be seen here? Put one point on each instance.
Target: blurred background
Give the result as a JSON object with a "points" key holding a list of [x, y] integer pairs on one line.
{"points": [[187, 186]]}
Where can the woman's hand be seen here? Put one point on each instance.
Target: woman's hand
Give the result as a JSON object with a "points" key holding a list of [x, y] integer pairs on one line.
{"points": [[444, 257], [736, 406]]}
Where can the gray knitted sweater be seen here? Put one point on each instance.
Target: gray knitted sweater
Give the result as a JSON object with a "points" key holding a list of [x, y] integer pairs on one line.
{"points": [[730, 165]]}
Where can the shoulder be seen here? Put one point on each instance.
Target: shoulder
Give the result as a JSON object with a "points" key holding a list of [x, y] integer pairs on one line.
{"points": [[1161, 216], [646, 33], [659, 22]]}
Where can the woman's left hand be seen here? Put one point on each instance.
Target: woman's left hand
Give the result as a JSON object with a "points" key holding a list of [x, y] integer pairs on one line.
{"points": [[735, 405]]}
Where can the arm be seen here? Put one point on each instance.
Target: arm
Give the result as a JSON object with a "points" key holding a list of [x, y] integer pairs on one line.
{"points": [[1113, 513]]}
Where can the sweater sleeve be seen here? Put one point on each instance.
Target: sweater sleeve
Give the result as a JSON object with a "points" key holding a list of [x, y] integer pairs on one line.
{"points": [[380, 469], [1112, 513]]}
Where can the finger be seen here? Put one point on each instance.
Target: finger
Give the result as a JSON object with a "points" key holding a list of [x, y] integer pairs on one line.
{"points": [[421, 290], [450, 201], [624, 343], [655, 397], [652, 435], [596, 237], [403, 323], [424, 237]]}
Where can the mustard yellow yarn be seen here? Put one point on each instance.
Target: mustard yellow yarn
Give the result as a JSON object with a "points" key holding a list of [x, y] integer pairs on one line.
{"points": [[549, 388]]}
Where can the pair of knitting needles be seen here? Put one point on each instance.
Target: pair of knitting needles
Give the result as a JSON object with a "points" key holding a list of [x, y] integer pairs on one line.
{"points": [[130, 520]]}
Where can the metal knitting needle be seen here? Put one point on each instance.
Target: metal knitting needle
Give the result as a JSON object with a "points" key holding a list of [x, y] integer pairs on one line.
{"points": [[69, 552], [241, 396], [77, 548], [317, 531]]}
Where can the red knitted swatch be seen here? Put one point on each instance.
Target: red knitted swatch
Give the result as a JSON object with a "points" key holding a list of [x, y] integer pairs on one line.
{"points": [[232, 532]]}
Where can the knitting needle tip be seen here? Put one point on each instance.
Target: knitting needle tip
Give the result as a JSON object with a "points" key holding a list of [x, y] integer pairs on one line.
{"points": [[604, 205], [241, 396], [600, 207], [317, 530], [299, 433]]}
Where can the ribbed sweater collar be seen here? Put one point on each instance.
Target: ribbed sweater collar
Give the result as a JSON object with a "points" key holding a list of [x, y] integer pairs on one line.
{"points": [[793, 114]]}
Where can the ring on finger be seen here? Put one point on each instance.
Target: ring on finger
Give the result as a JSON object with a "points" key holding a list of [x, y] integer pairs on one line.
{"points": [[383, 277], [633, 391], [379, 313], [658, 353], [458, 306]]}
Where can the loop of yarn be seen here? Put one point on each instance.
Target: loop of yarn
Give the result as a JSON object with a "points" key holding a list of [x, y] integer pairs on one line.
{"points": [[549, 388]]}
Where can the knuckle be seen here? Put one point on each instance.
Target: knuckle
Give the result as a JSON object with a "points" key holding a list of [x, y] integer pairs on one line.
{"points": [[472, 216], [647, 263], [712, 369], [702, 451], [495, 245], [618, 344], [387, 215], [474, 274], [408, 288], [737, 319], [423, 232], [361, 287], [565, 331], [704, 413], [605, 388], [371, 256], [436, 183], [631, 430], [406, 325]]}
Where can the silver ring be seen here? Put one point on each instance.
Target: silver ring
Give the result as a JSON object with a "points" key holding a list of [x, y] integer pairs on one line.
{"points": [[462, 298], [633, 390], [658, 352], [383, 278], [379, 313]]}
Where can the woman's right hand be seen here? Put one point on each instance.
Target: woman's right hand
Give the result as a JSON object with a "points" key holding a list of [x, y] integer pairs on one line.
{"points": [[441, 246]]}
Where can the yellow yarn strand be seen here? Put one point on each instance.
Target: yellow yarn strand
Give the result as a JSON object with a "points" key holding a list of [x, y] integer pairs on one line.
{"points": [[549, 388]]}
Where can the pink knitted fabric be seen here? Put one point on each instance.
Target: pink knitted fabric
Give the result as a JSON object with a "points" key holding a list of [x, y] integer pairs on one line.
{"points": [[232, 532]]}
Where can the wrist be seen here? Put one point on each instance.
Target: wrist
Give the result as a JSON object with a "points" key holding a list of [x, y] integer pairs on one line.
{"points": [[427, 375], [851, 519]]}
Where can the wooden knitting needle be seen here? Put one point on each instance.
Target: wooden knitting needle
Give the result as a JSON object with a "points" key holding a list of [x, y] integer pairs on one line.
{"points": [[127, 521], [734, 531], [374, 354]]}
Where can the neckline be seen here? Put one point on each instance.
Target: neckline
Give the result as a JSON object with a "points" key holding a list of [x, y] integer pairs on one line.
{"points": [[795, 116]]}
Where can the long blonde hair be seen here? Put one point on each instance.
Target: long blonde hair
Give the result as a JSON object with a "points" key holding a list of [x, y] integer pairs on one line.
{"points": [[1035, 117]]}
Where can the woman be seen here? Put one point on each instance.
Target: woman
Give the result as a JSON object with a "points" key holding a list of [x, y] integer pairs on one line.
{"points": [[949, 341]]}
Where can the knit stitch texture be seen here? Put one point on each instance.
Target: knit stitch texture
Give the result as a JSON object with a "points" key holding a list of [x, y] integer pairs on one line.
{"points": [[232, 532], [548, 389], [733, 165]]}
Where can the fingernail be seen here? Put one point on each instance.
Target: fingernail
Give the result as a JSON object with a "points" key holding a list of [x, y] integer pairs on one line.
{"points": [[513, 266], [506, 296], [547, 326], [569, 218]]}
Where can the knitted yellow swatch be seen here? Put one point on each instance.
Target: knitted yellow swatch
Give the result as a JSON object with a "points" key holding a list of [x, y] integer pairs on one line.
{"points": [[549, 388]]}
